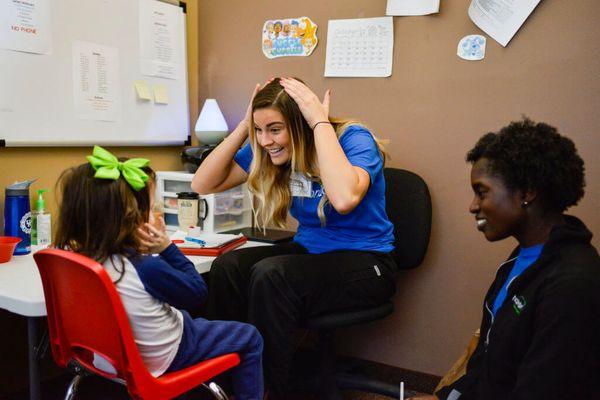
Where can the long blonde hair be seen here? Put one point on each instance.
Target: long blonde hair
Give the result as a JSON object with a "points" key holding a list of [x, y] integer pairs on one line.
{"points": [[270, 183]]}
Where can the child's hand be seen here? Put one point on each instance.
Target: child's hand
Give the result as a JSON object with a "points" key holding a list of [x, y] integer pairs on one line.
{"points": [[154, 240]]}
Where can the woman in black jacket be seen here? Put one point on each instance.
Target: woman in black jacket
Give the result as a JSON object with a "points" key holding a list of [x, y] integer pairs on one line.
{"points": [[540, 332]]}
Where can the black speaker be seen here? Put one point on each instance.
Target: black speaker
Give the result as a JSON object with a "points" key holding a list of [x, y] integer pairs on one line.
{"points": [[192, 157]]}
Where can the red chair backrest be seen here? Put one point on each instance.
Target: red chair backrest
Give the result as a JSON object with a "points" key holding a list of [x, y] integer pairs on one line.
{"points": [[86, 315]]}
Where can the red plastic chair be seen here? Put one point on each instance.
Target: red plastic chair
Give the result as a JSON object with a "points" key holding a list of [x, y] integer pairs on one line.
{"points": [[86, 316]]}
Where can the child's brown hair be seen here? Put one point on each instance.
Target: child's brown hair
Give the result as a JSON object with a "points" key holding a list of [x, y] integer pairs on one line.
{"points": [[99, 217]]}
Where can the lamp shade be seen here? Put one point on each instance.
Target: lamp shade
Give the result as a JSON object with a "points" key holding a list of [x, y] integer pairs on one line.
{"points": [[211, 126]]}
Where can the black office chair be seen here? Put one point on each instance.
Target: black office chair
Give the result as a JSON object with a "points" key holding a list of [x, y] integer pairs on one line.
{"points": [[408, 206]]}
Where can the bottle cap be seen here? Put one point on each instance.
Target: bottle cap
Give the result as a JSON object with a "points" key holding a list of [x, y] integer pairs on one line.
{"points": [[19, 188]]}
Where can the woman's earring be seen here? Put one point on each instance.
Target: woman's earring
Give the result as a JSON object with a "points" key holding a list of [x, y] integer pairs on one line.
{"points": [[524, 204]]}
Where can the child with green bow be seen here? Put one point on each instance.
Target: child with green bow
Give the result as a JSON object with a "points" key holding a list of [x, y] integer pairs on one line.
{"points": [[105, 214]]}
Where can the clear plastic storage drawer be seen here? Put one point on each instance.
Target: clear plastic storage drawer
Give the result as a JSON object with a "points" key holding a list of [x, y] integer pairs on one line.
{"points": [[174, 186]]}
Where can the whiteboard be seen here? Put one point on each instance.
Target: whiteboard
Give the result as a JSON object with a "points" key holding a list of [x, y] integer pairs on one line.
{"points": [[37, 100]]}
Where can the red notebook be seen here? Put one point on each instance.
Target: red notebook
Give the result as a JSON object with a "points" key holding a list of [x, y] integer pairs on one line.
{"points": [[213, 251]]}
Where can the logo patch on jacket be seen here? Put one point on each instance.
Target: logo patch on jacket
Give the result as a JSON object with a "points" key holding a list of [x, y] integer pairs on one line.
{"points": [[519, 303]]}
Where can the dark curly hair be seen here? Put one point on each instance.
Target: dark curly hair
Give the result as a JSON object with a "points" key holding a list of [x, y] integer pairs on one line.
{"points": [[534, 156]]}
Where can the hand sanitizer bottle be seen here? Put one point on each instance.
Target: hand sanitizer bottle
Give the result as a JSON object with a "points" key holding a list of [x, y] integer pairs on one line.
{"points": [[41, 233]]}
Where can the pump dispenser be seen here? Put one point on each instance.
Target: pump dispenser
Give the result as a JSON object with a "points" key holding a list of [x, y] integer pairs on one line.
{"points": [[41, 232]]}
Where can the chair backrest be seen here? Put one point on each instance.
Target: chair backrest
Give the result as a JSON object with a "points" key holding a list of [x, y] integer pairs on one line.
{"points": [[86, 316], [408, 206]]}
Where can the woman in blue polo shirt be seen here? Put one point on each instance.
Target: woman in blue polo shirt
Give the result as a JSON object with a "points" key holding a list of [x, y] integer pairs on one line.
{"points": [[328, 174]]}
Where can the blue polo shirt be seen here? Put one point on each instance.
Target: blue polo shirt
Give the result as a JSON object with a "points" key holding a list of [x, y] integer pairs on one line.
{"points": [[367, 227]]}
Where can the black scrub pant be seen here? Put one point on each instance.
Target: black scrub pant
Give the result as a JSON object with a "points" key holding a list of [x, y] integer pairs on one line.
{"points": [[276, 287]]}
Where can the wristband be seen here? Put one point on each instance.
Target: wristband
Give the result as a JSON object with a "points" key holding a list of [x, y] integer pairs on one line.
{"points": [[320, 122]]}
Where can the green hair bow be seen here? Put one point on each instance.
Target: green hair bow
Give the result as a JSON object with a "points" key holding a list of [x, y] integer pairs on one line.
{"points": [[108, 166]]}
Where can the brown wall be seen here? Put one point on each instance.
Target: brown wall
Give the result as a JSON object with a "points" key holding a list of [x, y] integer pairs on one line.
{"points": [[433, 108]]}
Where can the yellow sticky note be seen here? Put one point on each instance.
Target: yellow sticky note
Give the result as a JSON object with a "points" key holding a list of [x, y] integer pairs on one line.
{"points": [[142, 90], [161, 94]]}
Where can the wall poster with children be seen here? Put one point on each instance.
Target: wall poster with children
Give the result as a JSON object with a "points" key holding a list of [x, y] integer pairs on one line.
{"points": [[289, 37]]}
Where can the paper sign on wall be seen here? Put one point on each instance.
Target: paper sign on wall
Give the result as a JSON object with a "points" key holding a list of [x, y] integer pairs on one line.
{"points": [[471, 48], [501, 19], [289, 37], [412, 7]]}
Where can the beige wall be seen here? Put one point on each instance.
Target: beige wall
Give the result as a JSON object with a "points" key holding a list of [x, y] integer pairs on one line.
{"points": [[46, 164], [433, 108]]}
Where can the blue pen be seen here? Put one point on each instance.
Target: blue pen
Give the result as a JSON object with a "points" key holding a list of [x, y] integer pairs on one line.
{"points": [[195, 240]]}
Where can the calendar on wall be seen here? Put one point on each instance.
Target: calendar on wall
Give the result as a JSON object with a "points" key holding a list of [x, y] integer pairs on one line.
{"points": [[360, 47]]}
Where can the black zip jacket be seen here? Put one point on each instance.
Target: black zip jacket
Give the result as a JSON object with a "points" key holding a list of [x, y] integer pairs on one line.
{"points": [[544, 342]]}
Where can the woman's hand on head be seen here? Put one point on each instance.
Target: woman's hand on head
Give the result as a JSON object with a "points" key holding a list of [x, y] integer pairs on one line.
{"points": [[248, 117], [153, 239], [311, 107]]}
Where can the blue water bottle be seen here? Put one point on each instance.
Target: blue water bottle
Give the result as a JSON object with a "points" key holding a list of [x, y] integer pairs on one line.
{"points": [[17, 215]]}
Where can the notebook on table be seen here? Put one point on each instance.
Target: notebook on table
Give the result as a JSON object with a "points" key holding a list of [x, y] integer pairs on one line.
{"points": [[268, 236], [207, 244]]}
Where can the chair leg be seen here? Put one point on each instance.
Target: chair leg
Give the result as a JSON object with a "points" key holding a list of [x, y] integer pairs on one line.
{"points": [[328, 388], [216, 391], [370, 385], [72, 389], [332, 382]]}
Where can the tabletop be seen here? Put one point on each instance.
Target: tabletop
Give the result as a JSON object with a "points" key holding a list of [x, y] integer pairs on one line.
{"points": [[21, 289]]}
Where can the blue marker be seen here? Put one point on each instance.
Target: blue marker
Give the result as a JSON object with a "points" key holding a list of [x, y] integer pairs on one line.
{"points": [[195, 240]]}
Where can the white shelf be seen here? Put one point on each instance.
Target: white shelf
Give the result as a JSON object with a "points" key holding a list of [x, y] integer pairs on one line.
{"points": [[234, 206], [232, 212]]}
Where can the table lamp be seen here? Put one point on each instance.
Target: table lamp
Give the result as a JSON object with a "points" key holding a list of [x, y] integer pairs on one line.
{"points": [[211, 128]]}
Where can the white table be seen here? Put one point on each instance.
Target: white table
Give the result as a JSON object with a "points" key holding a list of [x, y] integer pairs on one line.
{"points": [[21, 293]]}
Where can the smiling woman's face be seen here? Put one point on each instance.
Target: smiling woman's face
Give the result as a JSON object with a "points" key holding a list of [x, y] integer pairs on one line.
{"points": [[497, 209], [272, 134]]}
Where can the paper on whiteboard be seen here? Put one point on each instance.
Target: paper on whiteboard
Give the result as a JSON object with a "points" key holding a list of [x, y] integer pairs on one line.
{"points": [[412, 7], [501, 19], [143, 90], [360, 47], [96, 88], [160, 41], [25, 26], [161, 94]]}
